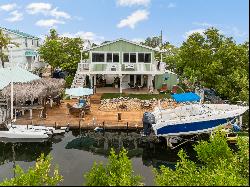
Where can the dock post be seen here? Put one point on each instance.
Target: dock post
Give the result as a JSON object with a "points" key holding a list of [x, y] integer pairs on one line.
{"points": [[127, 128], [103, 128], [80, 127], [55, 125]]}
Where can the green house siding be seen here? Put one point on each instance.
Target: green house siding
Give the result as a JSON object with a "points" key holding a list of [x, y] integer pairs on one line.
{"points": [[167, 78], [123, 47]]}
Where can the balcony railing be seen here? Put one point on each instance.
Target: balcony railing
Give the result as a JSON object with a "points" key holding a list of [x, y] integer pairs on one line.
{"points": [[117, 67]]}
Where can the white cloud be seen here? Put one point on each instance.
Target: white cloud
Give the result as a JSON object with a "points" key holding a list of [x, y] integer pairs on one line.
{"points": [[187, 34], [133, 19], [49, 22], [58, 14], [15, 16], [35, 8], [47, 10], [203, 24], [171, 5], [237, 33], [133, 2], [94, 38], [8, 7]]}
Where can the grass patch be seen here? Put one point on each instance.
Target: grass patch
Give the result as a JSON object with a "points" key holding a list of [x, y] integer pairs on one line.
{"points": [[138, 96]]}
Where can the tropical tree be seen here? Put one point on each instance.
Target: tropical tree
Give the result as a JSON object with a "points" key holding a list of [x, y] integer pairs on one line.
{"points": [[117, 172], [152, 41], [62, 52], [218, 165], [38, 175], [215, 61], [4, 41]]}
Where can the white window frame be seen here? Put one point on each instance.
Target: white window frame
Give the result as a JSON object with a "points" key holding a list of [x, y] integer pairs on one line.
{"points": [[137, 57], [105, 56]]}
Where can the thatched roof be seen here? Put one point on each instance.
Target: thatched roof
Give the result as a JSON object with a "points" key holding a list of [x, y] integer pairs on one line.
{"points": [[34, 89]]}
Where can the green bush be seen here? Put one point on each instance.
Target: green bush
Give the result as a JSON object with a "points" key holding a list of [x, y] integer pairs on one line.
{"points": [[220, 165], [69, 79], [38, 175], [117, 172]]}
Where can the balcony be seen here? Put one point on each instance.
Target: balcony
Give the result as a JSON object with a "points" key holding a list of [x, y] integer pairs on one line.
{"points": [[125, 68]]}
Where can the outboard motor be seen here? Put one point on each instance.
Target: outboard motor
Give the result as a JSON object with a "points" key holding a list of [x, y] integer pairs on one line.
{"points": [[148, 119]]}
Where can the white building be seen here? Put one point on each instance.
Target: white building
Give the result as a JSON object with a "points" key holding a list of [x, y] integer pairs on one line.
{"points": [[25, 55]]}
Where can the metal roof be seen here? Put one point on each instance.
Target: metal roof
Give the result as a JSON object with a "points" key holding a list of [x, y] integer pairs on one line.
{"points": [[19, 33], [17, 74], [121, 39]]}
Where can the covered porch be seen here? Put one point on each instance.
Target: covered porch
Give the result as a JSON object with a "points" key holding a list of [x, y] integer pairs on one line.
{"points": [[126, 83], [128, 90]]}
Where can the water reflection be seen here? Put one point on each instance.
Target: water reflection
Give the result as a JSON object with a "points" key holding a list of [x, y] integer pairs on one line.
{"points": [[76, 152], [137, 146]]}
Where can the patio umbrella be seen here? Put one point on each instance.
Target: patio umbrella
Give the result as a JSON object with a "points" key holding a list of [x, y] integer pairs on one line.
{"points": [[79, 91]]}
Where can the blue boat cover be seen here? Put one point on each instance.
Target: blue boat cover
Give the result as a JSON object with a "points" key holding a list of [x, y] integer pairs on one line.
{"points": [[186, 97]]}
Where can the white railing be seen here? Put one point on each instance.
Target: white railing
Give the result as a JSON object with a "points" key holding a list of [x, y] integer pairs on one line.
{"points": [[126, 67]]}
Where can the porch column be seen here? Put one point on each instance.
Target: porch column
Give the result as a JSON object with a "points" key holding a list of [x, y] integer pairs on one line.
{"points": [[142, 80], [94, 84], [134, 79], [30, 113], [91, 81], [120, 76]]}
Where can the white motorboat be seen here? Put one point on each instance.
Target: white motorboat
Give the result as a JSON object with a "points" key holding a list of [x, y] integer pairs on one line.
{"points": [[49, 130], [190, 119], [23, 135]]}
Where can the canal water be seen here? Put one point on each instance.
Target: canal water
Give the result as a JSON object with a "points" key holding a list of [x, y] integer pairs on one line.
{"points": [[75, 153]]}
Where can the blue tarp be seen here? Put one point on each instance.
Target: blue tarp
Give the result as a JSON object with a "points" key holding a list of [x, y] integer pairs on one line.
{"points": [[186, 97]]}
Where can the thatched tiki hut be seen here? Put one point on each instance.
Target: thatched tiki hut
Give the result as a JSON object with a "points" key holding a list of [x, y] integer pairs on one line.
{"points": [[36, 91]]}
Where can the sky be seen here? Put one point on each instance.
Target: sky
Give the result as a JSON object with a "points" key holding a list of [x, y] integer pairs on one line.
{"points": [[106, 20]]}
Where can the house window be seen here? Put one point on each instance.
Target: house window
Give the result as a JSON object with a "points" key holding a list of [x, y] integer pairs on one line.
{"points": [[144, 57], [32, 41], [26, 42], [141, 57], [132, 57], [109, 57], [126, 57], [37, 44], [116, 57], [97, 57], [147, 58]]}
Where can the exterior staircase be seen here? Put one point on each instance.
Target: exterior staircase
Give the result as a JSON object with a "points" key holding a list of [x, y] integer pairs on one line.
{"points": [[79, 80]]}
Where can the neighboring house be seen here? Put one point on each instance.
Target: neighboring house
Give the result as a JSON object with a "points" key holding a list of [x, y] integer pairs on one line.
{"points": [[25, 55], [123, 64]]}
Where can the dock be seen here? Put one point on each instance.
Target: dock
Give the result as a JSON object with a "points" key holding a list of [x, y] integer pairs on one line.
{"points": [[58, 116]]}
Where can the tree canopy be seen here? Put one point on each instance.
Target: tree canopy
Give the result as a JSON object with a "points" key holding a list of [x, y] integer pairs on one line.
{"points": [[214, 61], [62, 52], [218, 165]]}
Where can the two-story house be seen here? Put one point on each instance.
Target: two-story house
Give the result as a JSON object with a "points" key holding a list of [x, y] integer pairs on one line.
{"points": [[124, 64], [24, 55]]}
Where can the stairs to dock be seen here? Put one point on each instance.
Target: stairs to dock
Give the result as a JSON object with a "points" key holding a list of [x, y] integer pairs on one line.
{"points": [[79, 80]]}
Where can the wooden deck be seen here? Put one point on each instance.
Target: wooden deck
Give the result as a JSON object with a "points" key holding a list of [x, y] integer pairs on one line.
{"points": [[60, 116]]}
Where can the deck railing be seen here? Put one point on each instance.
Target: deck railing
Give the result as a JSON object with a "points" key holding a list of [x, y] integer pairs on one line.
{"points": [[124, 67]]}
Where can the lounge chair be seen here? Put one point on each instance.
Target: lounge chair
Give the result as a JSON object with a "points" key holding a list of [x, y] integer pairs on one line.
{"points": [[164, 88]]}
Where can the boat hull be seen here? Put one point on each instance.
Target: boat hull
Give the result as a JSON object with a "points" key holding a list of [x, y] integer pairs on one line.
{"points": [[190, 128]]}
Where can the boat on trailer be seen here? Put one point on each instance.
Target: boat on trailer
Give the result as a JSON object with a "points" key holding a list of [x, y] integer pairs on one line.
{"points": [[190, 119]]}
